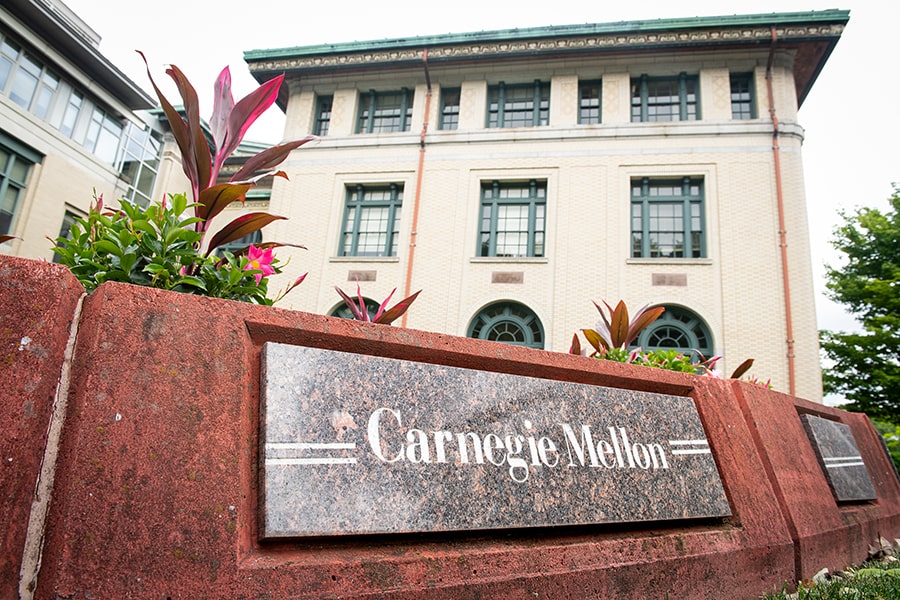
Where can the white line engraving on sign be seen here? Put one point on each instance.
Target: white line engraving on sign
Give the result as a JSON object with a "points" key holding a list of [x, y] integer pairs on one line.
{"points": [[286, 453], [700, 446], [837, 462]]}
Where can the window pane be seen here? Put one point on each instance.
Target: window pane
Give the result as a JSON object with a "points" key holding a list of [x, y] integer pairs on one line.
{"points": [[371, 225], [513, 217], [589, 104], [450, 109], [665, 222]]}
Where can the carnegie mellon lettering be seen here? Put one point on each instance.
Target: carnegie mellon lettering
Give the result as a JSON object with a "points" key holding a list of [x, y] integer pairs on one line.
{"points": [[516, 451]]}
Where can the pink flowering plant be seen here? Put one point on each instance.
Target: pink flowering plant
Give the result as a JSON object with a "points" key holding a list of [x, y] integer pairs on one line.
{"points": [[169, 244]]}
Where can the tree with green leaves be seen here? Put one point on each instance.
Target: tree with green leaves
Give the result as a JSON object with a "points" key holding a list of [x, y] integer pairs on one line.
{"points": [[866, 364]]}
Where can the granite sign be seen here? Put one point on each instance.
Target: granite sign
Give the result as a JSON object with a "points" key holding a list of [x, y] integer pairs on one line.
{"points": [[356, 444], [839, 458]]}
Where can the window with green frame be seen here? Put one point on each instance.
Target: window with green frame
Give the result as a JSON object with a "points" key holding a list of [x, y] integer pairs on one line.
{"points": [[667, 218], [513, 216], [16, 161], [449, 116], [664, 98], [743, 102], [508, 322], [65, 229], [678, 329], [385, 112], [371, 220], [323, 115], [526, 105], [589, 102]]}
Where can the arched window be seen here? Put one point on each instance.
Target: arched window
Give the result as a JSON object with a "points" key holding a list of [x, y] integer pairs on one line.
{"points": [[508, 322], [680, 329], [342, 311]]}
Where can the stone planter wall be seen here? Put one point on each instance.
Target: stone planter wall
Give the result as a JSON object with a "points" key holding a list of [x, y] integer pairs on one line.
{"points": [[155, 485]]}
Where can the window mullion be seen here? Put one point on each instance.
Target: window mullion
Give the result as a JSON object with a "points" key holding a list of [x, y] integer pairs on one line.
{"points": [[682, 97], [645, 94], [501, 102]]}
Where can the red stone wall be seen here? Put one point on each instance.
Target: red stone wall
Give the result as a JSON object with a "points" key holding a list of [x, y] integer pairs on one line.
{"points": [[37, 304], [156, 485]]}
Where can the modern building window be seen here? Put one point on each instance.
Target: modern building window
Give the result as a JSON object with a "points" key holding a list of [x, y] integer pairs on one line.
{"points": [[743, 105], [70, 117], [323, 115], [513, 218], [449, 117], [138, 162], [680, 329], [667, 218], [25, 79], [589, 102], [65, 230], [371, 220], [525, 105], [103, 136], [510, 323], [15, 165], [385, 112], [664, 99]]}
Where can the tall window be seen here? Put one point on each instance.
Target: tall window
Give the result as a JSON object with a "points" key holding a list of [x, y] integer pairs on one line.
{"points": [[449, 118], [667, 218], [371, 220], [15, 165], [519, 105], [513, 218], [589, 102], [664, 98], [678, 329], [323, 115], [508, 322], [384, 112], [743, 105], [138, 162]]}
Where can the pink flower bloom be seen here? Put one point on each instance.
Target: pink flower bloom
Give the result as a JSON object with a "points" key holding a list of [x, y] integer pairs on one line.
{"points": [[260, 260]]}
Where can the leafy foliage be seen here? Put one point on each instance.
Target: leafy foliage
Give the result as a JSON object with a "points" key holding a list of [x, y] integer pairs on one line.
{"points": [[383, 315], [866, 365], [202, 164], [159, 246], [153, 247], [891, 435]]}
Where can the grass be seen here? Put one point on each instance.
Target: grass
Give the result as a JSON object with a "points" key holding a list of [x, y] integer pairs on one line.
{"points": [[874, 580]]}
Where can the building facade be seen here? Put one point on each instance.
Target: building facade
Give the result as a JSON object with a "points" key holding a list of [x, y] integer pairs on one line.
{"points": [[71, 125], [515, 176]]}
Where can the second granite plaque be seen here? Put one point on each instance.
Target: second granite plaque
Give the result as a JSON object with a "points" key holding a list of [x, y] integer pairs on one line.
{"points": [[354, 444]]}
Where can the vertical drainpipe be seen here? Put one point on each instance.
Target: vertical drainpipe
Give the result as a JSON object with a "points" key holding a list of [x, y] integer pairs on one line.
{"points": [[782, 234], [418, 196]]}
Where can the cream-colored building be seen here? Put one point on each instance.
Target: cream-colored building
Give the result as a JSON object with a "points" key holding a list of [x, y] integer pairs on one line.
{"points": [[515, 176], [71, 124]]}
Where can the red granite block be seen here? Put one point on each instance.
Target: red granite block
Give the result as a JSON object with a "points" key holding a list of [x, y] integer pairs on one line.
{"points": [[157, 486], [37, 304], [826, 533]]}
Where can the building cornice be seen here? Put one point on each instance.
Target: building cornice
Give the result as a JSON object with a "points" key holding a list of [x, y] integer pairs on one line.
{"points": [[811, 36]]}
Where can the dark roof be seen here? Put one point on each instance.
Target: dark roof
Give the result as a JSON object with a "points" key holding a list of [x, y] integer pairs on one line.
{"points": [[812, 34], [52, 25]]}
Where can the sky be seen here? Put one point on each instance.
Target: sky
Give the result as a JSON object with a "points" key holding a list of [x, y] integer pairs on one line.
{"points": [[850, 154]]}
